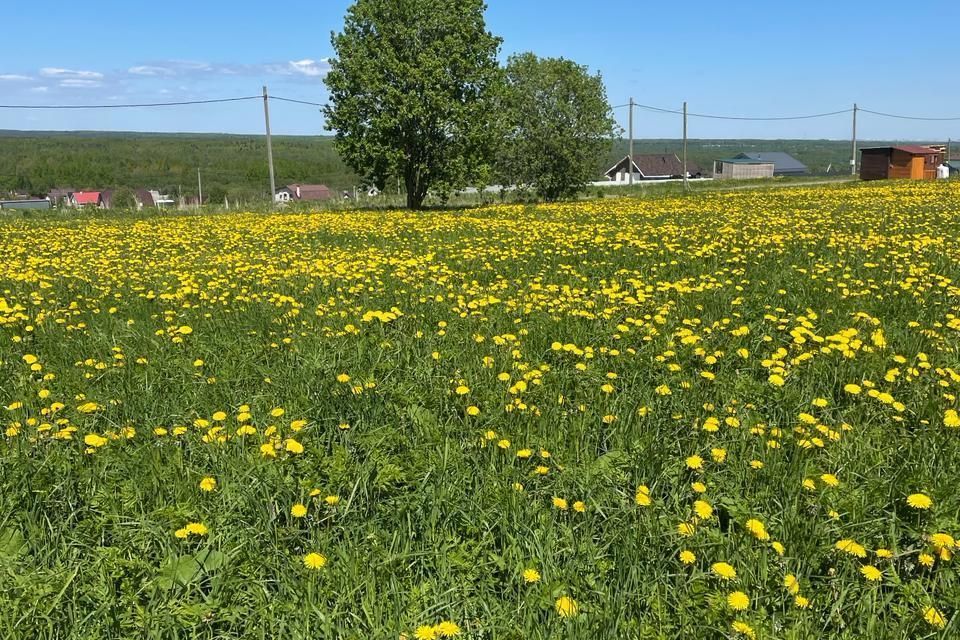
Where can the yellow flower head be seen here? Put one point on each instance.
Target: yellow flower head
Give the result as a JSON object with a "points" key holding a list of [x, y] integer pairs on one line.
{"points": [[566, 607], [315, 561], [642, 497], [738, 601], [871, 573], [723, 571], [934, 618]]}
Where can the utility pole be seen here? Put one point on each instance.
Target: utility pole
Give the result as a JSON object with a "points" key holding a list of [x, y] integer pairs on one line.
{"points": [[685, 184], [630, 162], [853, 155], [199, 188], [266, 118]]}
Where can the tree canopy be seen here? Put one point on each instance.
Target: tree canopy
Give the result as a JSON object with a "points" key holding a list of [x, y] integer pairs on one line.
{"points": [[411, 93], [557, 125]]}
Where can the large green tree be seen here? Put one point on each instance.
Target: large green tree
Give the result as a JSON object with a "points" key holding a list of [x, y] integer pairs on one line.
{"points": [[411, 89], [557, 126]]}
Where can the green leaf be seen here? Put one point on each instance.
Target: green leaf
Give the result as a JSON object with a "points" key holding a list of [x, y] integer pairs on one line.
{"points": [[422, 417], [12, 544], [211, 559]]}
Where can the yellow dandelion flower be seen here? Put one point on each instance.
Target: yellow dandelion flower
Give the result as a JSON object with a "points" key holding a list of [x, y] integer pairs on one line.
{"points": [[934, 618], [566, 607], [743, 629], [723, 570], [315, 561], [871, 573], [703, 509], [738, 601], [919, 501], [531, 576], [642, 497]]}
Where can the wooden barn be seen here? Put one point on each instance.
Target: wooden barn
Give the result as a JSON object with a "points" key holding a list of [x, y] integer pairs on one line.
{"points": [[903, 162]]}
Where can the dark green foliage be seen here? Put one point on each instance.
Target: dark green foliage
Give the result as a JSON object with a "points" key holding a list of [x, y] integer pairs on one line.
{"points": [[557, 126], [123, 198], [410, 93]]}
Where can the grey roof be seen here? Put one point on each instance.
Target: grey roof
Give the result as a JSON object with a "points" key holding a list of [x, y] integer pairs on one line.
{"points": [[742, 160], [781, 161]]}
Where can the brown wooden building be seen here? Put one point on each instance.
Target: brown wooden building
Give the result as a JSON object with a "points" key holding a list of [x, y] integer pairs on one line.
{"points": [[903, 162]]}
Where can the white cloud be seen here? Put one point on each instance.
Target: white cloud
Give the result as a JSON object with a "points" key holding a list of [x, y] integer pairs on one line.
{"points": [[80, 83], [310, 67], [150, 70], [13, 77], [70, 74], [40, 89]]}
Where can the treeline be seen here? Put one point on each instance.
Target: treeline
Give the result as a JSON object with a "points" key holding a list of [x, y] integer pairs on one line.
{"points": [[231, 166], [235, 167]]}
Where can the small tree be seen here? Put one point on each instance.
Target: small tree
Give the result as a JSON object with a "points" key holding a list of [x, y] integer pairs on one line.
{"points": [[557, 125], [123, 198], [411, 90]]}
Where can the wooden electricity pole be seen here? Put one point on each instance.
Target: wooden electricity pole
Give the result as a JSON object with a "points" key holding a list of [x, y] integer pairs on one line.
{"points": [[199, 189], [266, 118], [685, 184], [630, 161], [853, 155]]}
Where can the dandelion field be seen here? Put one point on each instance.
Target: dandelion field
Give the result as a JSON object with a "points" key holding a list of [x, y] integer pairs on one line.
{"points": [[730, 415]]}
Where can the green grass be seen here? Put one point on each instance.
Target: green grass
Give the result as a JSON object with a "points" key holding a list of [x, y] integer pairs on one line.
{"points": [[640, 294]]}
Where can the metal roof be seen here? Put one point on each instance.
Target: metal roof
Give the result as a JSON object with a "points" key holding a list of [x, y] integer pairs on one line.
{"points": [[745, 161], [781, 160], [87, 197], [915, 149], [657, 165]]}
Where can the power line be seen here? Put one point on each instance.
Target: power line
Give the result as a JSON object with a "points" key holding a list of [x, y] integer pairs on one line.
{"points": [[125, 106], [753, 118], [306, 102], [891, 115]]}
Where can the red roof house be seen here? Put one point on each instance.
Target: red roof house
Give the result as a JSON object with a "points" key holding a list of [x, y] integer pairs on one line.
{"points": [[85, 199]]}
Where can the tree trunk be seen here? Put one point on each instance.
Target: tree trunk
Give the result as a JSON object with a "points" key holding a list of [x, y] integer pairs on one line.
{"points": [[416, 190]]}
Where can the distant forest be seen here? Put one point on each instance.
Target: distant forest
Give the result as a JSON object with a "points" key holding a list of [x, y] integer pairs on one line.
{"points": [[235, 166], [232, 166]]}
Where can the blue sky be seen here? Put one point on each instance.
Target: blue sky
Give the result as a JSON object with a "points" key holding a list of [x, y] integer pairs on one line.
{"points": [[733, 57]]}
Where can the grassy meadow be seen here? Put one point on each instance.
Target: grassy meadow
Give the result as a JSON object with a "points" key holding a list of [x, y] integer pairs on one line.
{"points": [[725, 415]]}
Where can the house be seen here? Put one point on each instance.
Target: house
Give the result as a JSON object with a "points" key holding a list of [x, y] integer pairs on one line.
{"points": [[32, 203], [909, 161], [58, 197], [303, 192], [783, 163], [954, 166], [145, 198], [651, 166], [742, 169], [84, 199], [154, 198]]}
